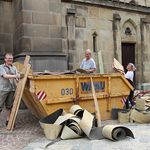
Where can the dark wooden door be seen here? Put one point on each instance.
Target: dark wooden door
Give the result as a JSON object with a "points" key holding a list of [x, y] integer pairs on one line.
{"points": [[128, 54]]}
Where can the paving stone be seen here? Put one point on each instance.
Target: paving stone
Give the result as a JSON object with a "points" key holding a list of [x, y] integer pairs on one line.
{"points": [[59, 147], [38, 149], [27, 148], [29, 136], [39, 144], [27, 130]]}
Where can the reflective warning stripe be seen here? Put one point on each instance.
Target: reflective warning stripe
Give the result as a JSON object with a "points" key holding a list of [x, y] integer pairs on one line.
{"points": [[41, 95]]}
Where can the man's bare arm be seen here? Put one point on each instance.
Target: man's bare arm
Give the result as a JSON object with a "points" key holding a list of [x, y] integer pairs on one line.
{"points": [[8, 76], [91, 70]]}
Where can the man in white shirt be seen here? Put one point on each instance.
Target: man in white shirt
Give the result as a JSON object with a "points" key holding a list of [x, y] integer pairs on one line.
{"points": [[88, 63]]}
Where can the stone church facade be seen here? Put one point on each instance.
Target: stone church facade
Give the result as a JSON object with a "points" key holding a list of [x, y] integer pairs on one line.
{"points": [[56, 33]]}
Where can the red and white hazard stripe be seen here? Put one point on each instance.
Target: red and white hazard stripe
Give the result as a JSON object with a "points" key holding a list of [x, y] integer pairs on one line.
{"points": [[41, 95], [123, 100]]}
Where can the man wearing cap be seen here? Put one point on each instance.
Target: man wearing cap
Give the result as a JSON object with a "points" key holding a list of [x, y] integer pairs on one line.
{"points": [[88, 63], [8, 77]]}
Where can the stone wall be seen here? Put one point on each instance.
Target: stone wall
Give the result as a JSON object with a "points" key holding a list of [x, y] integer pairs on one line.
{"points": [[39, 33], [83, 21], [40, 28], [56, 33], [6, 27], [139, 2]]}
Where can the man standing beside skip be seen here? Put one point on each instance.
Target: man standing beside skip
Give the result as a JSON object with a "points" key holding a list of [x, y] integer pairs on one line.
{"points": [[8, 77], [88, 63]]}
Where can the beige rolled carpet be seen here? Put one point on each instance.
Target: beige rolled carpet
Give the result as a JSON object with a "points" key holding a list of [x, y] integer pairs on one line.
{"points": [[116, 132]]}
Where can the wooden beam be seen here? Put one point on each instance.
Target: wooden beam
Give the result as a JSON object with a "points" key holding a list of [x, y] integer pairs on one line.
{"points": [[97, 110], [18, 94]]}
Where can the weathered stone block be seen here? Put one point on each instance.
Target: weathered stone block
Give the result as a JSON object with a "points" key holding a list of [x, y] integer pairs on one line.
{"points": [[81, 10], [146, 66], [57, 1], [55, 31], [37, 5], [46, 18], [35, 30], [44, 44], [17, 6], [41, 61], [25, 44], [1, 10], [1, 27], [79, 44], [19, 33], [94, 23], [8, 26], [2, 49], [51, 63], [71, 57], [5, 38], [71, 66], [80, 22], [93, 12], [70, 20], [8, 47], [27, 17], [18, 19], [79, 33], [71, 33], [146, 77], [64, 45], [64, 32], [72, 45], [85, 45], [55, 7], [63, 17]]}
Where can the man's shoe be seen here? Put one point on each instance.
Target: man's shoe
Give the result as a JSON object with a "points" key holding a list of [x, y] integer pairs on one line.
{"points": [[6, 122]]}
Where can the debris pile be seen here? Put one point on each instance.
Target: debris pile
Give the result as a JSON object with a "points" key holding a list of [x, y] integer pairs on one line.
{"points": [[140, 113], [79, 123]]}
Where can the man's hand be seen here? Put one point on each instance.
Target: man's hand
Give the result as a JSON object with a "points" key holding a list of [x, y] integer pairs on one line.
{"points": [[91, 70], [21, 75]]}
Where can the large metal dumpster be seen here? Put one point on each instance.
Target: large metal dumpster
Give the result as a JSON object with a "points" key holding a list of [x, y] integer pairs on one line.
{"points": [[62, 91]]}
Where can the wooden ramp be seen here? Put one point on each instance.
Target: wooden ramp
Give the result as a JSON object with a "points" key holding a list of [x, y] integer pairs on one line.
{"points": [[19, 93]]}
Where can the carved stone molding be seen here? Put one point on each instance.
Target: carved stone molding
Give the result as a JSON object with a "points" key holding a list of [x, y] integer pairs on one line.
{"points": [[145, 20], [115, 4], [116, 17]]}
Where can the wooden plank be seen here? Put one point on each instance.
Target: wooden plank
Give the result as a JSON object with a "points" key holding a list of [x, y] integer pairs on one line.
{"points": [[100, 62], [118, 66], [18, 94], [98, 116], [17, 99], [26, 61]]}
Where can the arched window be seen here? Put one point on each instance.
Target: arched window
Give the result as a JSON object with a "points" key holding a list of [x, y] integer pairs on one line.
{"points": [[94, 42], [128, 31]]}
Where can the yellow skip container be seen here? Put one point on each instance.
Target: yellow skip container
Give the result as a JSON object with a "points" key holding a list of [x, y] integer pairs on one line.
{"points": [[45, 94]]}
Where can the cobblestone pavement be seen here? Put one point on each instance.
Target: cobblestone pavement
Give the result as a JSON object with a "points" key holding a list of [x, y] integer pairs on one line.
{"points": [[29, 136], [141, 142], [27, 129]]}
